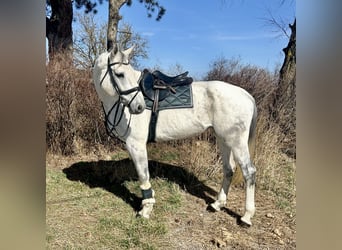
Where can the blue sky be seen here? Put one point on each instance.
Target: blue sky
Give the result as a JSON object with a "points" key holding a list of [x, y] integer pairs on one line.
{"points": [[195, 33]]}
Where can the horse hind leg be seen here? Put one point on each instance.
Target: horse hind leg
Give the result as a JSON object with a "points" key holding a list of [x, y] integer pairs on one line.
{"points": [[242, 156], [228, 171]]}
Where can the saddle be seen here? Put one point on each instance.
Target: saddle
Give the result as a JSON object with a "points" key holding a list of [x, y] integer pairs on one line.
{"points": [[157, 87]]}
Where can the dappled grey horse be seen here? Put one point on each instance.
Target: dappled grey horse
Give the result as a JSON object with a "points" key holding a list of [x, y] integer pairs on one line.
{"points": [[228, 109]]}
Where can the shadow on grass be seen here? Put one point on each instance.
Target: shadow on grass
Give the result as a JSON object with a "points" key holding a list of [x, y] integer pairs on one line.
{"points": [[111, 176]]}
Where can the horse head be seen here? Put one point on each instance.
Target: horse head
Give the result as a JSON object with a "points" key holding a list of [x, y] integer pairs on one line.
{"points": [[116, 81]]}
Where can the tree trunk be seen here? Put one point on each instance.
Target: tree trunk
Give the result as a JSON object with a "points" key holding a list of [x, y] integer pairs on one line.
{"points": [[113, 22], [59, 27], [288, 70], [284, 105]]}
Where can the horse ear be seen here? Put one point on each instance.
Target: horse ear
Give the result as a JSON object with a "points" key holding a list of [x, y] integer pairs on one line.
{"points": [[128, 52]]}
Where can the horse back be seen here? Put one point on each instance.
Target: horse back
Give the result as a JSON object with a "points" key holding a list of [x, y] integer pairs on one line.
{"points": [[230, 106], [219, 92], [216, 104]]}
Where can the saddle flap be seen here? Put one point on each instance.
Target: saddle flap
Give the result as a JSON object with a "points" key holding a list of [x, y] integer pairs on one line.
{"points": [[149, 87], [146, 84]]}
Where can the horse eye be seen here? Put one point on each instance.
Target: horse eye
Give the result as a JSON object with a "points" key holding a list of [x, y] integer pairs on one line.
{"points": [[120, 75]]}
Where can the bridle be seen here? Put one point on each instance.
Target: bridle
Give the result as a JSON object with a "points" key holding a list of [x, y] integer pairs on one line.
{"points": [[111, 125], [115, 85]]}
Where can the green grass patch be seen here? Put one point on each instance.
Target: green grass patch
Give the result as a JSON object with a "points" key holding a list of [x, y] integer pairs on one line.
{"points": [[159, 153], [83, 217], [120, 155]]}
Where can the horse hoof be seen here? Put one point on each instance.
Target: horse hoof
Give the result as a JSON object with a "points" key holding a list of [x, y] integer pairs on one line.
{"points": [[214, 207], [147, 208], [217, 205], [246, 221], [143, 215]]}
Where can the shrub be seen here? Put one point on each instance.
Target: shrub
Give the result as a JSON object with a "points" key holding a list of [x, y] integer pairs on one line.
{"points": [[60, 94], [74, 117]]}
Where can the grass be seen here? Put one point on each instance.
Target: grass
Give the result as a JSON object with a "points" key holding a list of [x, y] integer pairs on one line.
{"points": [[120, 155], [80, 217], [96, 211], [276, 173]]}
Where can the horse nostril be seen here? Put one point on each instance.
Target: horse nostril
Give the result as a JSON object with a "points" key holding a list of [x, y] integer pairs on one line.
{"points": [[140, 107]]}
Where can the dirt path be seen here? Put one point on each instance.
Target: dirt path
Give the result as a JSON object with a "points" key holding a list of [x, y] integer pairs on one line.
{"points": [[197, 228], [193, 227]]}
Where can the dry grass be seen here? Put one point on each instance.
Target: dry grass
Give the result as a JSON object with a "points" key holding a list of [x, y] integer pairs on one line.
{"points": [[80, 217], [92, 204], [276, 172]]}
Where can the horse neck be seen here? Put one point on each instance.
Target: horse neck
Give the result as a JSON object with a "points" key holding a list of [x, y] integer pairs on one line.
{"points": [[116, 121]]}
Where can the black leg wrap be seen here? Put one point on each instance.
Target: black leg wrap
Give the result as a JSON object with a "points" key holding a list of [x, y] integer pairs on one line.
{"points": [[146, 194]]}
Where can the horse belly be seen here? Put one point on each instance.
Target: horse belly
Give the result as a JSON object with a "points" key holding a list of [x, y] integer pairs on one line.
{"points": [[185, 122], [179, 124]]}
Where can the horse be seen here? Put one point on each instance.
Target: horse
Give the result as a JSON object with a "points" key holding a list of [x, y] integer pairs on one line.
{"points": [[228, 109]]}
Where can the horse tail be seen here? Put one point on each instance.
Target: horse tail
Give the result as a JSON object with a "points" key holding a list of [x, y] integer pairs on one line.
{"points": [[252, 131]]}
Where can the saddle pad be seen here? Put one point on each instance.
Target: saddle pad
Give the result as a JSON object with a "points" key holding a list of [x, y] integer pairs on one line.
{"points": [[182, 99]]}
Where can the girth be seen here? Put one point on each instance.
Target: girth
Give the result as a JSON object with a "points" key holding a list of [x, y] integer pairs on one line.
{"points": [[156, 87]]}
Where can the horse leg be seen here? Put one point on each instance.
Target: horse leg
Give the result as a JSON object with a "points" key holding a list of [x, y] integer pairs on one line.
{"points": [[228, 170], [241, 155], [138, 153]]}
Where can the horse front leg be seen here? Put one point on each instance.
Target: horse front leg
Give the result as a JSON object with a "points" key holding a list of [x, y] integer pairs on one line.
{"points": [[138, 153]]}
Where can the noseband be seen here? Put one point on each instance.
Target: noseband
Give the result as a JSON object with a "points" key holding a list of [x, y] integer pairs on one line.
{"points": [[111, 126]]}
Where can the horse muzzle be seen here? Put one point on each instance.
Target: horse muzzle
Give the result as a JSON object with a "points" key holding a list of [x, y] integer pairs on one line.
{"points": [[137, 109], [137, 105]]}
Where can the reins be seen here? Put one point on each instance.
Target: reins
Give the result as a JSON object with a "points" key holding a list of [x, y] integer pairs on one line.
{"points": [[111, 126]]}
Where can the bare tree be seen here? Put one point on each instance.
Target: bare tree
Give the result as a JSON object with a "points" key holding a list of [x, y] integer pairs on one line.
{"points": [[113, 21], [90, 41], [127, 37], [277, 24], [283, 107], [114, 16], [284, 104], [59, 17]]}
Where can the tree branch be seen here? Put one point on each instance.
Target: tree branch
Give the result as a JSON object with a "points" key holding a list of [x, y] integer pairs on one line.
{"points": [[278, 24]]}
